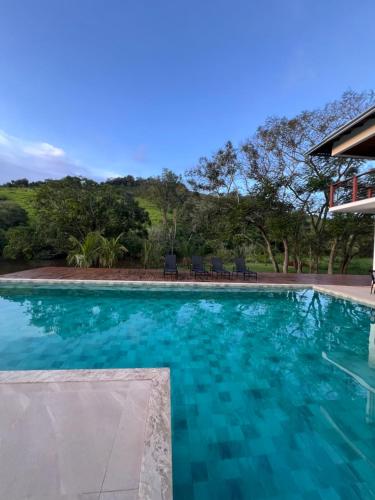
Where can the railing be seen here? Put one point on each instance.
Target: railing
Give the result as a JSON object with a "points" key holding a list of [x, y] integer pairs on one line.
{"points": [[359, 187]]}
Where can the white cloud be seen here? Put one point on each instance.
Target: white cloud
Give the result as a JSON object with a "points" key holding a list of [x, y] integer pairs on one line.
{"points": [[39, 160], [44, 149]]}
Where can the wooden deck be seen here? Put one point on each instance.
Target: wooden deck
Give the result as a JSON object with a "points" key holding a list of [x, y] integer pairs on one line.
{"points": [[72, 273]]}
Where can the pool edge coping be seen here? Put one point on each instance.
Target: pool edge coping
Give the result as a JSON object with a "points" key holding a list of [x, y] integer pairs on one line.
{"points": [[139, 283], [343, 295], [326, 289], [155, 480]]}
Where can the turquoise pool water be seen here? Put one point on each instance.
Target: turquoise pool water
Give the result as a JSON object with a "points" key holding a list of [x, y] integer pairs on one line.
{"points": [[257, 411]]}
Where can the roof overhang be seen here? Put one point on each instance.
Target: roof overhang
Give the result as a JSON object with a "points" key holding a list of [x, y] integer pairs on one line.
{"points": [[366, 206], [355, 139]]}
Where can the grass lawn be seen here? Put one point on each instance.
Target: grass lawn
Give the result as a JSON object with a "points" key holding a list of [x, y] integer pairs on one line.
{"points": [[150, 207], [23, 196], [359, 265]]}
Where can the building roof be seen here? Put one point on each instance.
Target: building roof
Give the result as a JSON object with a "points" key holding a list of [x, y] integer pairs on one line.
{"points": [[354, 139]]}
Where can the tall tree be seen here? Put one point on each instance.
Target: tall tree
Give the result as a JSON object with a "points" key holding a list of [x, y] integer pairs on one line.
{"points": [[217, 175], [169, 194], [278, 150]]}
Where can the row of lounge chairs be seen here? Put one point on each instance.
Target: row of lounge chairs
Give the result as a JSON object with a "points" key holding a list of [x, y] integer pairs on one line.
{"points": [[217, 268]]}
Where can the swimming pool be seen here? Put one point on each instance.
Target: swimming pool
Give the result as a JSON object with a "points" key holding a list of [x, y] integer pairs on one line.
{"points": [[257, 411]]}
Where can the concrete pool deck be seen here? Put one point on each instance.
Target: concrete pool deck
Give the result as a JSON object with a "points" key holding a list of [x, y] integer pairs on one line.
{"points": [[85, 435], [359, 294]]}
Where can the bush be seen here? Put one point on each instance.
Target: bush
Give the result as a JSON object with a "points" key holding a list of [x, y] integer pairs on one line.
{"points": [[110, 250], [153, 248], [95, 250], [20, 243], [2, 240], [11, 214]]}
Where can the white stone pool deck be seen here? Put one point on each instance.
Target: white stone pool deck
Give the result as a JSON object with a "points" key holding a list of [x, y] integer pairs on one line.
{"points": [[359, 294], [85, 435]]}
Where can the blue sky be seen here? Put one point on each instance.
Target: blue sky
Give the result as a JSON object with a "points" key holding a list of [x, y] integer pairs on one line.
{"points": [[116, 87]]}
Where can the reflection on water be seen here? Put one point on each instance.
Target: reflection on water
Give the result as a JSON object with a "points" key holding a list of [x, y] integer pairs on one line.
{"points": [[257, 411], [362, 372]]}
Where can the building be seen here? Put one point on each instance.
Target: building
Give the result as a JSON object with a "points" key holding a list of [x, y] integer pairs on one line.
{"points": [[355, 139]]}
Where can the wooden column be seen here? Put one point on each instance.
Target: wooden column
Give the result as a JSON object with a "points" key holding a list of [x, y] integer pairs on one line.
{"points": [[355, 189], [331, 195]]}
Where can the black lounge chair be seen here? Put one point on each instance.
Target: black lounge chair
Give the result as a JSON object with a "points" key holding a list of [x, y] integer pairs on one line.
{"points": [[218, 268], [372, 273], [197, 267], [240, 268], [170, 266]]}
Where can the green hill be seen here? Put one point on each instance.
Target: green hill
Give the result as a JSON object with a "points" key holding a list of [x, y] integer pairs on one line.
{"points": [[150, 207], [25, 196]]}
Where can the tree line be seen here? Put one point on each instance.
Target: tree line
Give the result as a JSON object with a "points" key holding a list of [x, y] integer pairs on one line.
{"points": [[264, 199]]}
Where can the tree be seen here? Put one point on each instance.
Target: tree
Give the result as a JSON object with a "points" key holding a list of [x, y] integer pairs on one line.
{"points": [[278, 150], [256, 211], [18, 183], [21, 243], [3, 240], [169, 194], [127, 181], [218, 174], [75, 207], [11, 214], [349, 233]]}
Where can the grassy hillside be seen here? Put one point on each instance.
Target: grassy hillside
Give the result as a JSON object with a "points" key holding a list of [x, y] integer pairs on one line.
{"points": [[23, 196], [150, 207]]}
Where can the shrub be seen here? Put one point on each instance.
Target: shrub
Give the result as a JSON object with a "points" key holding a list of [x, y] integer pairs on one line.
{"points": [[110, 250], [20, 243], [11, 214], [95, 250], [85, 253]]}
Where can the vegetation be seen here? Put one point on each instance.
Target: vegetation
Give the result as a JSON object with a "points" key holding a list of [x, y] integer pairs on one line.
{"points": [[11, 214], [95, 250], [264, 199], [23, 196]]}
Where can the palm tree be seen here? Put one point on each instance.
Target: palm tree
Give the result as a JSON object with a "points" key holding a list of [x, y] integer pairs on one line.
{"points": [[110, 250], [87, 253]]}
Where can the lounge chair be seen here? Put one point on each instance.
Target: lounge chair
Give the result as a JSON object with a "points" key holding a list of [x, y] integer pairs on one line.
{"points": [[240, 268], [372, 272], [170, 266], [218, 268], [197, 267]]}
